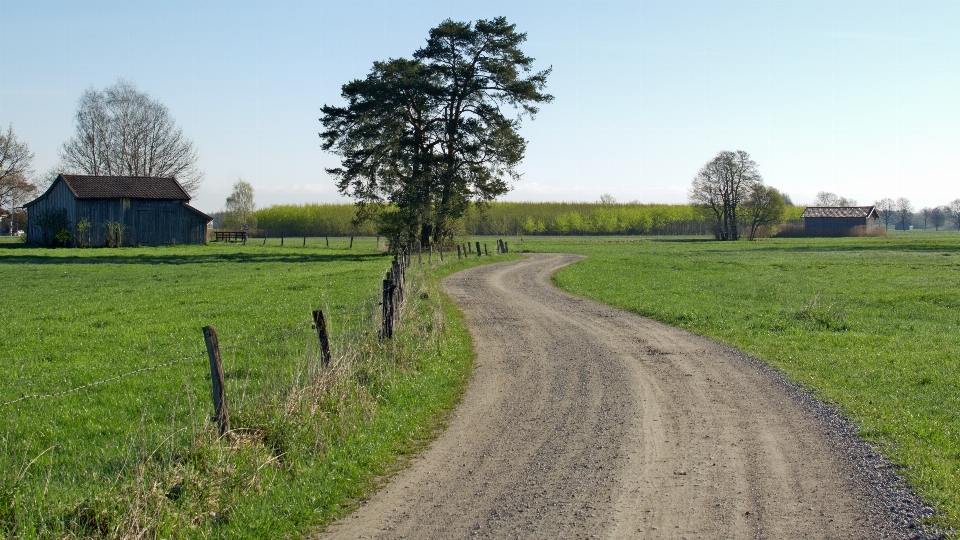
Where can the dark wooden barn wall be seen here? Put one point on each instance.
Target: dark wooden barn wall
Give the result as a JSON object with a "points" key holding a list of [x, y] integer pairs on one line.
{"points": [[832, 226], [146, 222], [58, 197]]}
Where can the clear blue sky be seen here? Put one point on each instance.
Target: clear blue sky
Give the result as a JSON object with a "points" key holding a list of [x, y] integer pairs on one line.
{"points": [[861, 98]]}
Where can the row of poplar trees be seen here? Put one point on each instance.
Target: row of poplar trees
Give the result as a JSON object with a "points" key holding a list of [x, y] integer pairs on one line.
{"points": [[422, 139]]}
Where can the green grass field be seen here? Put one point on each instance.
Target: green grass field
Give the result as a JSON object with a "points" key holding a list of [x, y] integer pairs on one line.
{"points": [[868, 324], [138, 455], [871, 325]]}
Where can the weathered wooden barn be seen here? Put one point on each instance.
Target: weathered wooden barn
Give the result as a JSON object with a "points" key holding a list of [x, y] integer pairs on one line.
{"points": [[95, 210], [838, 220]]}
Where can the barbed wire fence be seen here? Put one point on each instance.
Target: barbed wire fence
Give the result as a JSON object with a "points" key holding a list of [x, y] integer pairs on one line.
{"points": [[391, 310], [390, 300], [272, 366]]}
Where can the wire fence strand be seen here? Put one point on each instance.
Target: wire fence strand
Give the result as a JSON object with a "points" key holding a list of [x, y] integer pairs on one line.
{"points": [[153, 367], [369, 303], [102, 381]]}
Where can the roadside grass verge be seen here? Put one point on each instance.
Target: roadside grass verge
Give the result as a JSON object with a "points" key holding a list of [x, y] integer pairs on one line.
{"points": [[871, 325], [138, 457]]}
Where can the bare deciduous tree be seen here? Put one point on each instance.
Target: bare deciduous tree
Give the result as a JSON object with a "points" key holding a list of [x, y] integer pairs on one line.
{"points": [[954, 210], [123, 131], [938, 216], [825, 198], [886, 209], [721, 187], [16, 169], [904, 212], [925, 213]]}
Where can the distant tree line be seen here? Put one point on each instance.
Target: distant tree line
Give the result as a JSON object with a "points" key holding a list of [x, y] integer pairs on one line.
{"points": [[311, 220], [900, 213]]}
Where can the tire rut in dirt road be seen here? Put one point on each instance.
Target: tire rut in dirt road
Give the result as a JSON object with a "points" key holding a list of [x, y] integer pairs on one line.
{"points": [[583, 421]]}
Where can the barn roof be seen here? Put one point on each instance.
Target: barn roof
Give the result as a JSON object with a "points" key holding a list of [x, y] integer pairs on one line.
{"points": [[839, 212], [124, 187]]}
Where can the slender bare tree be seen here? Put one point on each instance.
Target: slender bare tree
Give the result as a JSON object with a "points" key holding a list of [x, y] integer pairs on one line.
{"points": [[887, 209], [938, 215], [123, 131], [904, 212], [825, 198], [240, 207], [953, 209], [16, 171]]}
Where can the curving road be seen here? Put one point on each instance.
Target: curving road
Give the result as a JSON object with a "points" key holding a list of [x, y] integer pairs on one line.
{"points": [[585, 421]]}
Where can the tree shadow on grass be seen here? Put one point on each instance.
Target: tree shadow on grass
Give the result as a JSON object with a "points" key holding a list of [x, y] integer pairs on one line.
{"points": [[21, 254]]}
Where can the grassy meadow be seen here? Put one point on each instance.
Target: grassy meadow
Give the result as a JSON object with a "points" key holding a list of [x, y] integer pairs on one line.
{"points": [[871, 325], [137, 456]]}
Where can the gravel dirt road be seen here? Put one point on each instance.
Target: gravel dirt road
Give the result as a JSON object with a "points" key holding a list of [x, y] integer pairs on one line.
{"points": [[585, 421]]}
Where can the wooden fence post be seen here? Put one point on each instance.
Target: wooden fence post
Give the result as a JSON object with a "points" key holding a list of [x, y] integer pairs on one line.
{"points": [[458, 252], [321, 325], [506, 247], [220, 415], [479, 253], [385, 331], [264, 239], [398, 278], [351, 241]]}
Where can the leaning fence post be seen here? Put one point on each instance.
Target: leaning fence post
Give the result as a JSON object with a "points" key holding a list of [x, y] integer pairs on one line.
{"points": [[220, 415], [479, 253], [321, 325]]}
